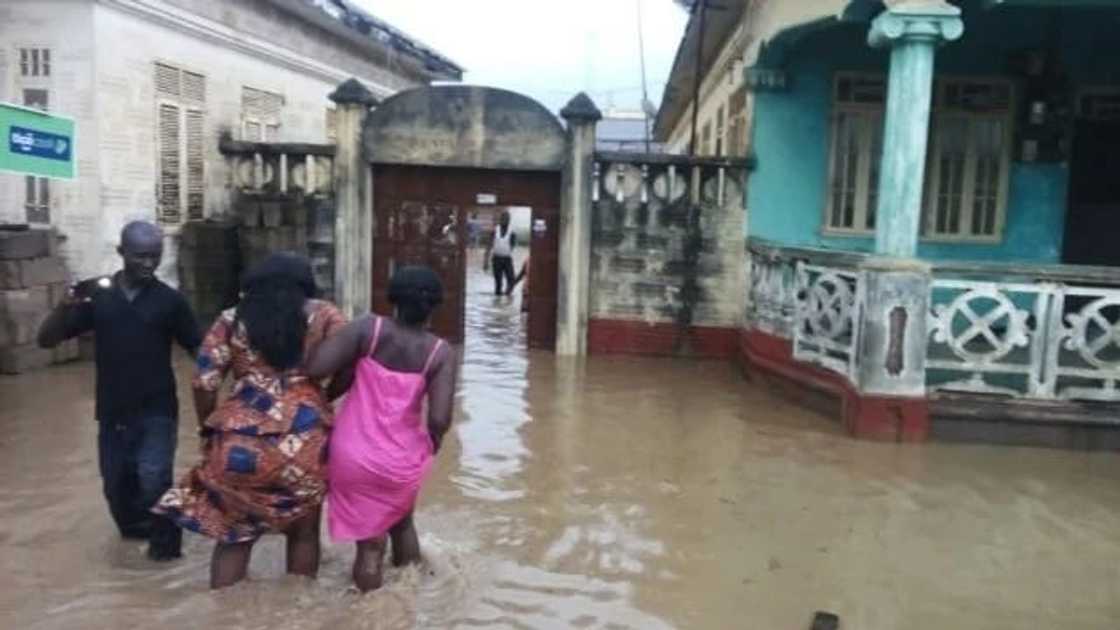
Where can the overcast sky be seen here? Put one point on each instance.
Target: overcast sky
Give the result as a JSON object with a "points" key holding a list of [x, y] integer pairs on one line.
{"points": [[548, 49]]}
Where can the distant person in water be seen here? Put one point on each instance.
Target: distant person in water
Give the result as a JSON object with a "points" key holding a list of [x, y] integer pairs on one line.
{"points": [[382, 446], [135, 319], [499, 255], [263, 466]]}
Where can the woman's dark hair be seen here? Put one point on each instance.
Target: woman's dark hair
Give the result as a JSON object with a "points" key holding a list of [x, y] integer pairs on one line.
{"points": [[274, 292], [416, 292]]}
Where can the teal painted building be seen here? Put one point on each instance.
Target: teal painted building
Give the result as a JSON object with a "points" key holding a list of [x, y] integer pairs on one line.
{"points": [[1025, 108]]}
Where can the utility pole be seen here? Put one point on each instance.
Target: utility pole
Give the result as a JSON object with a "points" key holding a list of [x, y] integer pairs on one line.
{"points": [[700, 6]]}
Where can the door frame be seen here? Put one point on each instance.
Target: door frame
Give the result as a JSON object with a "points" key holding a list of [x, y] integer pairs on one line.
{"points": [[434, 185]]}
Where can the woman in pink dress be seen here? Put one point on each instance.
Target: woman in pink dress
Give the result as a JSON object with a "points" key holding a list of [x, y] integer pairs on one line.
{"points": [[381, 447]]}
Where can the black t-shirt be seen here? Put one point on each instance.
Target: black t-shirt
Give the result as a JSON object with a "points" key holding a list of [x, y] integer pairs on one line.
{"points": [[133, 340]]}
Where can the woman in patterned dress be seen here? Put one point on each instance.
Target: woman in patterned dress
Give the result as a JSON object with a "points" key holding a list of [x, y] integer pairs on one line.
{"points": [[263, 467]]}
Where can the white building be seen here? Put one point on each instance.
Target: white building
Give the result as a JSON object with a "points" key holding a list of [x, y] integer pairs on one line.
{"points": [[152, 84]]}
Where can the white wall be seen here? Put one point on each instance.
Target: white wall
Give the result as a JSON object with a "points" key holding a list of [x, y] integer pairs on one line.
{"points": [[64, 26]]}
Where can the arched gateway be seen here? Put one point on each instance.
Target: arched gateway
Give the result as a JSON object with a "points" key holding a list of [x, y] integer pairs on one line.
{"points": [[439, 153]]}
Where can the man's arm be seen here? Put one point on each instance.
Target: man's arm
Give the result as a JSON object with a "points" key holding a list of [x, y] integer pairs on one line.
{"points": [[185, 327], [70, 318]]}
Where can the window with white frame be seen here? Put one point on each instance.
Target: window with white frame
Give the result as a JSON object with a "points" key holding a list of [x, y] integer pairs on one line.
{"points": [[965, 192], [180, 143], [260, 115], [37, 198]]}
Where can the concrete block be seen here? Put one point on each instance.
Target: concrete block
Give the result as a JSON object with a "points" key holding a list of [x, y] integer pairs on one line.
{"points": [[56, 293], [66, 352], [36, 272], [9, 275], [21, 311], [20, 359], [27, 244]]}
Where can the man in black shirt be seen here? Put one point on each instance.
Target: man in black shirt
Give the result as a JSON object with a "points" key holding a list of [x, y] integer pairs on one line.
{"points": [[135, 318]]}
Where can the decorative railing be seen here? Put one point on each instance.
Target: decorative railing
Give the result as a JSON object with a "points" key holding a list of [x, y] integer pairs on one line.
{"points": [[827, 318], [274, 167], [813, 300], [1044, 340], [1044, 332]]}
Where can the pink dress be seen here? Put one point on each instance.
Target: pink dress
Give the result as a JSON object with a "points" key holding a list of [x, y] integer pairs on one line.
{"points": [[380, 450]]}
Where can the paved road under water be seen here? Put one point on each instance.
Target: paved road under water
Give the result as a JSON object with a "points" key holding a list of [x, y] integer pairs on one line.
{"points": [[619, 493]]}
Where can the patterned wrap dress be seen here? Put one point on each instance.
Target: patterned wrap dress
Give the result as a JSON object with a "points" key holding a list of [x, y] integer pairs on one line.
{"points": [[264, 447]]}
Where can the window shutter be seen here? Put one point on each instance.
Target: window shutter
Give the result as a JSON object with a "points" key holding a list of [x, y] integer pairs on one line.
{"points": [[196, 152], [194, 87], [169, 194], [167, 80]]}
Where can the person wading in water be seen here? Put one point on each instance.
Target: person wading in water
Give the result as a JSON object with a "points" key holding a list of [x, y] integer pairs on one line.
{"points": [[135, 319], [381, 447], [263, 466], [499, 255]]}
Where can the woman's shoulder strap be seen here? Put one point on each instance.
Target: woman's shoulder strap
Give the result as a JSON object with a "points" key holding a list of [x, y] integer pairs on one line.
{"points": [[375, 323], [432, 356]]}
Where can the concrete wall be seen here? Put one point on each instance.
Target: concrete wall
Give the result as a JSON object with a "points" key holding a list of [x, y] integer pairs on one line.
{"points": [[64, 28], [661, 274], [787, 192]]}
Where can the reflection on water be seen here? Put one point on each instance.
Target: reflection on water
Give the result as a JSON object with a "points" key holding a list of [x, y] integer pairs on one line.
{"points": [[611, 493]]}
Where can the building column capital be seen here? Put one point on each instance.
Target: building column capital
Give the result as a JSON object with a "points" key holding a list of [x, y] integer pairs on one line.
{"points": [[926, 21]]}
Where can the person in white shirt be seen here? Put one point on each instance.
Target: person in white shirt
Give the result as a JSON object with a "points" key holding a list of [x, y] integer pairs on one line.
{"points": [[499, 255]]}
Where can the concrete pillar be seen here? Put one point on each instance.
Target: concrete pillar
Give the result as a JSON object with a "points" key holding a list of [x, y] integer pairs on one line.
{"points": [[573, 291], [353, 224], [912, 29]]}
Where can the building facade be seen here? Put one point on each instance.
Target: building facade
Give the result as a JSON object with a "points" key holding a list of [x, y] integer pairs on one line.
{"points": [[154, 84], [930, 211]]}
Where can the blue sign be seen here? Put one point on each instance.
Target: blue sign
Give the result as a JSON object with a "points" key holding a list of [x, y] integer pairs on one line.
{"points": [[38, 143]]}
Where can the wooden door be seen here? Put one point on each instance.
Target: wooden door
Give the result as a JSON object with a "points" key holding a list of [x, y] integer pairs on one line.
{"points": [[420, 218]]}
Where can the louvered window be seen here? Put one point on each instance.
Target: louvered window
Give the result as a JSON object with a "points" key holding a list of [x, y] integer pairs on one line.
{"points": [[261, 115], [181, 143], [967, 165]]}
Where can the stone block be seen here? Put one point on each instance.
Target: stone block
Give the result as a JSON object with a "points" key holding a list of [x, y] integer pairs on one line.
{"points": [[21, 311], [56, 293], [35, 272], [9, 275], [24, 358], [18, 245], [66, 352]]}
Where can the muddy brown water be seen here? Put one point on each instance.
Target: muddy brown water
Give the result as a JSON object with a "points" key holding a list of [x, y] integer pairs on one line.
{"points": [[612, 493]]}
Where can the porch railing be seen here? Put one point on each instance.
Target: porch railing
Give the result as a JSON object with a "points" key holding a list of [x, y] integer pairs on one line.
{"points": [[826, 319], [1048, 332], [1044, 340]]}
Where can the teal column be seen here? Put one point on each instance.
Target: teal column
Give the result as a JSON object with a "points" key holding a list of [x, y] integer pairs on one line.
{"points": [[912, 30]]}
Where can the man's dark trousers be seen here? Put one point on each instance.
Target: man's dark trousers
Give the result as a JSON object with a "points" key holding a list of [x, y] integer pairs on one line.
{"points": [[136, 460]]}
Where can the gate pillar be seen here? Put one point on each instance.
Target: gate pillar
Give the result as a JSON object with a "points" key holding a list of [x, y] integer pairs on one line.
{"points": [[353, 225], [573, 294]]}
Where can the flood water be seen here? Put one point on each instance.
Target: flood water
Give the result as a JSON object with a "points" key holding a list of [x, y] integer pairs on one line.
{"points": [[612, 493]]}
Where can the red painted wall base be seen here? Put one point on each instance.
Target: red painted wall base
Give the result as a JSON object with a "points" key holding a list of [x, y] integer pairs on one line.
{"points": [[881, 418], [610, 336]]}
